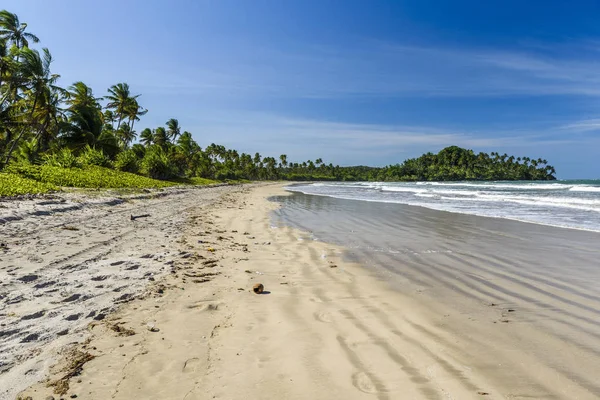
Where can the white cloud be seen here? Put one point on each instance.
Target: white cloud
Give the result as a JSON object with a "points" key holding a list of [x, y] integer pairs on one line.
{"points": [[588, 125]]}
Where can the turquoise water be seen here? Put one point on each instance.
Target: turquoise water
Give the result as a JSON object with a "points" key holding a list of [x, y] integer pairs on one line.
{"points": [[569, 203]]}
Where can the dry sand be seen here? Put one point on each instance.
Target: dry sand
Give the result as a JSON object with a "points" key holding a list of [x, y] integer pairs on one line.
{"points": [[69, 259], [323, 329]]}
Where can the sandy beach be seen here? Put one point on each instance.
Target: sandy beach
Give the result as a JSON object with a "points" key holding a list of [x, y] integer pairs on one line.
{"points": [[186, 324]]}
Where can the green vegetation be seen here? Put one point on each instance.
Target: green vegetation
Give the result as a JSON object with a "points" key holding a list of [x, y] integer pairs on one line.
{"points": [[457, 164], [69, 137], [15, 185], [89, 177]]}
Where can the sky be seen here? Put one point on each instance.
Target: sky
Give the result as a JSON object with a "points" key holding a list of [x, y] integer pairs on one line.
{"points": [[353, 82]]}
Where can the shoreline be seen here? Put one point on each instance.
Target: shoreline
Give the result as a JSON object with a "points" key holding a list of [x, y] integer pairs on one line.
{"points": [[454, 212], [571, 211], [327, 328]]}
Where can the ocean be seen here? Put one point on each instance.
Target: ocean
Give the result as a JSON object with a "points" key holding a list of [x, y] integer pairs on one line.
{"points": [[568, 204]]}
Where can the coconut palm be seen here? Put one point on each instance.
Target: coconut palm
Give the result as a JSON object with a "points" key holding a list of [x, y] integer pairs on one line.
{"points": [[125, 134], [160, 137], [84, 127], [35, 70], [146, 137], [49, 116], [119, 100], [187, 143], [134, 111], [173, 129], [109, 118], [81, 95], [13, 30]]}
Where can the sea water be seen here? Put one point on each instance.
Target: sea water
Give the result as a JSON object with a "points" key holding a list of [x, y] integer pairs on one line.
{"points": [[569, 203]]}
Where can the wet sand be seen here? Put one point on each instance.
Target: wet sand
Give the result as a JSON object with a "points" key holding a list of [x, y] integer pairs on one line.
{"points": [[538, 286], [419, 305]]}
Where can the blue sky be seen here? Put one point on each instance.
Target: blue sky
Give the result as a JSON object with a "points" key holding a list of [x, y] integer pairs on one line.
{"points": [[354, 82]]}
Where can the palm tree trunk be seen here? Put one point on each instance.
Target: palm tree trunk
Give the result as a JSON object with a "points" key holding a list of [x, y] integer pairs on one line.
{"points": [[14, 144]]}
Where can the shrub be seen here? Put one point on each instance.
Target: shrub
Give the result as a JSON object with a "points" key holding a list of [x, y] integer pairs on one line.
{"points": [[127, 161], [64, 158], [225, 174], [91, 156], [156, 164]]}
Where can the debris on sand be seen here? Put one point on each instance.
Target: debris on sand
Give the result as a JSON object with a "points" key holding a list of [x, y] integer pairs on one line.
{"points": [[121, 330], [134, 217], [75, 363], [258, 288]]}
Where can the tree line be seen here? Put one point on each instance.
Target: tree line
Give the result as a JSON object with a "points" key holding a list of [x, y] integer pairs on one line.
{"points": [[43, 123]]}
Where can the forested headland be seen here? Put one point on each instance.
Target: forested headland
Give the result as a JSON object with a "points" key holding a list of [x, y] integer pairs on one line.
{"points": [[53, 136]]}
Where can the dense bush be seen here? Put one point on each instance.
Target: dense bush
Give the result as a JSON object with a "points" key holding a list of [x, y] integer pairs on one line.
{"points": [[91, 156], [156, 164], [127, 161], [64, 158]]}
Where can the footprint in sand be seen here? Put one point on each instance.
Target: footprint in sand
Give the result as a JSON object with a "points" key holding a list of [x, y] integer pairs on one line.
{"points": [[323, 316], [191, 365], [362, 382]]}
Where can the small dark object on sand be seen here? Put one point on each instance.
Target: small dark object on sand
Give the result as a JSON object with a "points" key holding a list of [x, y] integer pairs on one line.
{"points": [[134, 217], [258, 288]]}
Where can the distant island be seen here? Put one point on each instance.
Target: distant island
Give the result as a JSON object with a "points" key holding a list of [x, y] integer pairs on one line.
{"points": [[53, 137]]}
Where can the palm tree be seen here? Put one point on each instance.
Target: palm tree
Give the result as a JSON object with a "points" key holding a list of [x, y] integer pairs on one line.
{"points": [[283, 159], [49, 117], [160, 137], [187, 144], [173, 129], [146, 137], [109, 118], [119, 100], [84, 127], [7, 64], [81, 95], [133, 112], [125, 134], [10, 109], [36, 69], [14, 31]]}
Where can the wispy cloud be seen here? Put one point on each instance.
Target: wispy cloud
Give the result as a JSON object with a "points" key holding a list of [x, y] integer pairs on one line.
{"points": [[383, 69], [587, 125]]}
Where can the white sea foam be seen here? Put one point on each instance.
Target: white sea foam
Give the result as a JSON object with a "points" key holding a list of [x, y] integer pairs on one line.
{"points": [[573, 204], [521, 186], [583, 188]]}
